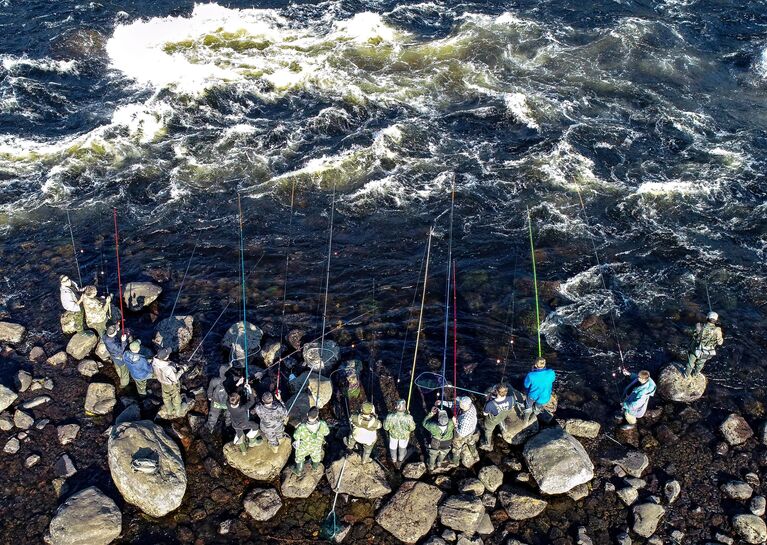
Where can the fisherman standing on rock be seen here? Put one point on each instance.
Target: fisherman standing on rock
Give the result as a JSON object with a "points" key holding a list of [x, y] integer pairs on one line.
{"points": [[496, 411], [703, 345], [71, 300], [636, 397], [116, 348], [399, 425], [538, 384]]}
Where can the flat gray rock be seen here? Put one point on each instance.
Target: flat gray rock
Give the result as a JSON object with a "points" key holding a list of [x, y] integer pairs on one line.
{"points": [[262, 504], [12, 333], [67, 433], [35, 402], [521, 504], [736, 430], [138, 295], [64, 467], [673, 385], [86, 518], [646, 518], [750, 528], [557, 461], [7, 397], [22, 420], [259, 462], [462, 513], [359, 480], [491, 477], [411, 511], [81, 344], [294, 486], [175, 333], [99, 399]]}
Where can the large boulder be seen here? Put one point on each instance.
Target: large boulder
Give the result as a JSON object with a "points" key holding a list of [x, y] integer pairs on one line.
{"points": [[262, 503], [520, 504], [7, 397], [359, 480], [577, 427], [411, 511], [71, 322], [750, 528], [305, 398], [462, 513], [12, 333], [674, 386], [86, 518], [315, 361], [155, 493], [557, 461], [99, 399], [514, 430], [81, 344], [294, 486], [175, 333], [234, 341], [259, 462], [138, 295], [646, 518], [736, 430]]}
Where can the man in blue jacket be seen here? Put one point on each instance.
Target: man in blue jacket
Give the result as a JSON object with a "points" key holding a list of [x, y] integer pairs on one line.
{"points": [[116, 348], [538, 384], [138, 366]]}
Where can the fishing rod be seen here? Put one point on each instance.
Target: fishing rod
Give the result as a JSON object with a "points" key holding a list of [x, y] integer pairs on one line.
{"points": [[708, 297], [410, 315], [74, 249], [285, 283], [244, 300], [535, 283], [455, 345], [510, 316], [183, 279], [420, 316], [447, 284], [327, 289], [119, 276]]}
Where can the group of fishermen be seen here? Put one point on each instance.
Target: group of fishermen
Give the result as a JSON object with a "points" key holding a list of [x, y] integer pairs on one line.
{"points": [[230, 394]]}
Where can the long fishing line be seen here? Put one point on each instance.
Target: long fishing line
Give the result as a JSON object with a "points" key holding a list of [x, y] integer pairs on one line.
{"points": [[447, 286], [181, 287], [411, 315], [420, 317], [74, 248]]}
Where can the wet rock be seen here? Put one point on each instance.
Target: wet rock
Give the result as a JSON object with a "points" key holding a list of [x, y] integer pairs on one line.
{"points": [[449, 535], [583, 537], [234, 341], [722, 538], [633, 463], [623, 539], [646, 518], [581, 428], [175, 333], [12, 333], [12, 446], [411, 511], [672, 491], [521, 504], [64, 467], [722, 448], [491, 477], [329, 357], [81, 344], [158, 493], [102, 353], [23, 380], [435, 540], [471, 486], [752, 479], [88, 368], [758, 505], [7, 397], [99, 399], [579, 492], [225, 527], [676, 536], [37, 354], [71, 322], [674, 386], [22, 420], [262, 503], [31, 460], [294, 486], [414, 470], [515, 431], [307, 397], [628, 495], [557, 461], [67, 433], [58, 359], [294, 338], [359, 480], [138, 295], [131, 413], [86, 518], [35, 402], [186, 406], [489, 501], [40, 424], [462, 513], [750, 528], [212, 467], [736, 430], [6, 422], [259, 462], [270, 352], [486, 526], [737, 490]]}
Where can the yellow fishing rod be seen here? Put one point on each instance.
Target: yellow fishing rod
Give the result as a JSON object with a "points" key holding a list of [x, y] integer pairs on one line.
{"points": [[535, 284]]}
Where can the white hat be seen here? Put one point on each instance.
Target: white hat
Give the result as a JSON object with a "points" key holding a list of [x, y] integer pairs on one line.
{"points": [[712, 316]]}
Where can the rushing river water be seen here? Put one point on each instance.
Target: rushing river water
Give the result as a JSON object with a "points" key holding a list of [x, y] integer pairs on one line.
{"points": [[653, 111]]}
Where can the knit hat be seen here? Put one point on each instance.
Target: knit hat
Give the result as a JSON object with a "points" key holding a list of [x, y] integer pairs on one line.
{"points": [[442, 418], [313, 414], [367, 408], [135, 346]]}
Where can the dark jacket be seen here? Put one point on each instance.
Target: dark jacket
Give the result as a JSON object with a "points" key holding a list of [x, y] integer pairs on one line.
{"points": [[116, 348], [138, 366], [240, 414], [217, 389]]}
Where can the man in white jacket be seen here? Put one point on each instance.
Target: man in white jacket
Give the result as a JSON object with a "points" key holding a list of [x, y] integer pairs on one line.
{"points": [[169, 375]]}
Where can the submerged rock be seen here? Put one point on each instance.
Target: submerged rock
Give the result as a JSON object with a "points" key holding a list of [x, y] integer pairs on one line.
{"points": [[557, 461], [646, 518], [736, 430], [262, 503], [175, 333], [462, 513], [294, 486], [100, 398], [23, 381], [328, 358], [88, 368], [234, 341], [359, 480], [411, 511], [674, 386], [737, 490], [581, 428], [7, 397], [138, 295], [155, 493], [12, 333], [634, 463], [81, 344], [259, 462], [86, 518], [520, 504], [750, 528]]}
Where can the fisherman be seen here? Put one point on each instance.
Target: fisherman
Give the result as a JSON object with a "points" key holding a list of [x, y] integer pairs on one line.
{"points": [[273, 416], [218, 396], [399, 425], [351, 378], [365, 425], [495, 412], [636, 396], [138, 366], [538, 385], [309, 441], [97, 309], [703, 346], [466, 434], [116, 348], [246, 432], [442, 432], [71, 300], [169, 375]]}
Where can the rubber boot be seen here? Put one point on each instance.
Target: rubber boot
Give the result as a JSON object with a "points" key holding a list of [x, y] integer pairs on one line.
{"points": [[298, 469], [394, 458], [690, 365], [401, 455], [350, 443], [255, 441], [367, 450], [528, 415], [315, 465], [243, 446], [274, 448], [431, 459]]}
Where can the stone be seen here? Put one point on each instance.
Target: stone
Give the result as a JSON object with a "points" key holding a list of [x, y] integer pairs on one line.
{"points": [[750, 528], [259, 462], [48, 384], [22, 420], [37, 354], [12, 446], [88, 368], [131, 413], [674, 386], [462, 513], [736, 430], [722, 538], [581, 428], [88, 517], [12, 333], [676, 536], [672, 491], [489, 501], [411, 511], [628, 495], [270, 352], [486, 526], [175, 333], [435, 540], [158, 493], [102, 353], [7, 397], [636, 483], [262, 504], [646, 518], [557, 461], [186, 406], [6, 422], [359, 480], [521, 504], [40, 424], [58, 359], [234, 341], [737, 490], [491, 477], [71, 322], [99, 399], [623, 539], [306, 398], [138, 295], [758, 505], [67, 433], [633, 463], [225, 527], [31, 460], [329, 357], [583, 537], [81, 344], [23, 380], [414, 470], [449, 535], [35, 402], [514, 430], [64, 467], [294, 486], [471, 486], [579, 492], [752, 479]]}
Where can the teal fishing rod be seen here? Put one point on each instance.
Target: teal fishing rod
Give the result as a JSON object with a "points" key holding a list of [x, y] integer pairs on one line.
{"points": [[244, 301]]}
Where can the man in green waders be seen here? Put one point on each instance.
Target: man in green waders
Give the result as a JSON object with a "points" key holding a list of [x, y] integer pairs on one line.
{"points": [[495, 412], [309, 441], [399, 425], [441, 428], [703, 346], [365, 426]]}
